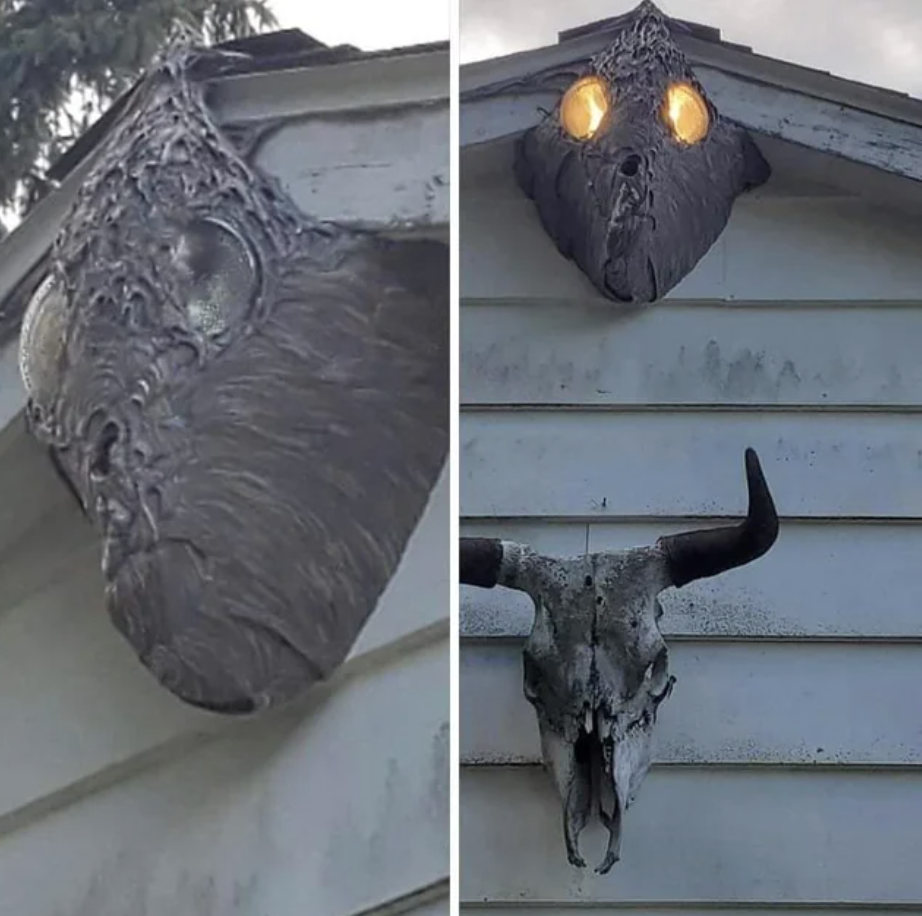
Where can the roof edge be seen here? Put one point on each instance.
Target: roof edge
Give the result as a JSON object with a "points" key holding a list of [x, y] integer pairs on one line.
{"points": [[582, 43], [286, 49]]}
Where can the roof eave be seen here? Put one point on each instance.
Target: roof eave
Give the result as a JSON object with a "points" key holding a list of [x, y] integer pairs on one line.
{"points": [[735, 59], [839, 118]]}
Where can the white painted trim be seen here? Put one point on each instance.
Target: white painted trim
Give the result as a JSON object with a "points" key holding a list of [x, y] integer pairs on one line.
{"points": [[735, 61], [786, 75], [376, 82], [497, 102], [849, 133], [484, 120], [812, 123]]}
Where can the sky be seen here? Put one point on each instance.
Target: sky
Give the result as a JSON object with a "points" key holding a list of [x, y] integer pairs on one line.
{"points": [[369, 24], [874, 41]]}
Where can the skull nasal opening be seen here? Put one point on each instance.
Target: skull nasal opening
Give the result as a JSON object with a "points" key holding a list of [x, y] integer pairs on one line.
{"points": [[631, 165], [101, 465]]}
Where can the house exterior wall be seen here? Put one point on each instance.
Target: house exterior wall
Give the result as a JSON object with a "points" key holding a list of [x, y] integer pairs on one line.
{"points": [[787, 767], [116, 798]]}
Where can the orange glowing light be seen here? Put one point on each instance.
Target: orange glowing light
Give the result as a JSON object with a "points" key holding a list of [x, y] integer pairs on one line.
{"points": [[686, 113], [584, 107]]}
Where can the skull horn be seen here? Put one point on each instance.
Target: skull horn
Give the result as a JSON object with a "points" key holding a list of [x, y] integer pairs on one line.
{"points": [[699, 554], [480, 561]]}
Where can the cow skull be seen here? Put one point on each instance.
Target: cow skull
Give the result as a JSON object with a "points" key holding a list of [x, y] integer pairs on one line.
{"points": [[596, 664]]}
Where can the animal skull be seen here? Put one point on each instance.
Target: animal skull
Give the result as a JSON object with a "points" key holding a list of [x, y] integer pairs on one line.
{"points": [[249, 405], [596, 665], [634, 172]]}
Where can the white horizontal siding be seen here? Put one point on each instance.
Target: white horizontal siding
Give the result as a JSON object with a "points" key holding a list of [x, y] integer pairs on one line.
{"points": [[826, 249], [795, 353], [787, 771], [733, 704], [706, 835], [328, 811], [598, 464], [79, 703], [821, 579], [618, 909], [365, 86]]}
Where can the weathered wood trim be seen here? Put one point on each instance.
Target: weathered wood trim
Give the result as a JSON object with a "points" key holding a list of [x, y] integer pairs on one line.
{"points": [[388, 82], [381, 169], [745, 64], [484, 120], [887, 103], [835, 129], [489, 113]]}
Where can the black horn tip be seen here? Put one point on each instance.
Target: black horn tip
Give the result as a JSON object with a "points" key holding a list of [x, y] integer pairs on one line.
{"points": [[762, 517], [701, 554], [753, 466], [480, 561]]}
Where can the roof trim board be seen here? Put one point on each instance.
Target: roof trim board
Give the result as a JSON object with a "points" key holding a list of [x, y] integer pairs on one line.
{"points": [[722, 55], [841, 118]]}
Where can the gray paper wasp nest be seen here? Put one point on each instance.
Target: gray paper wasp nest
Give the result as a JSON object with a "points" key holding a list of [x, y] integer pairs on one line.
{"points": [[596, 665], [251, 407], [635, 172]]}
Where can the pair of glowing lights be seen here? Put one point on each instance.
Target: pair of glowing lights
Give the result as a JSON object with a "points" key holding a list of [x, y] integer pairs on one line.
{"points": [[586, 105]]}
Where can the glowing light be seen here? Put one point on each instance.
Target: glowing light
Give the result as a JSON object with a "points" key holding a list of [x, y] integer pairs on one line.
{"points": [[686, 113], [584, 107]]}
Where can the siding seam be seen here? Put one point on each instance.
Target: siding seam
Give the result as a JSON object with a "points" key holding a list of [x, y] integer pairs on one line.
{"points": [[430, 893]]}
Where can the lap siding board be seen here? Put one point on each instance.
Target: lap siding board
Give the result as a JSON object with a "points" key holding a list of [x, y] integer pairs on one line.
{"points": [[583, 429]]}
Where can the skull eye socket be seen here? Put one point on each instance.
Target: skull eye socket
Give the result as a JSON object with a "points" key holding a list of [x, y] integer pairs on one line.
{"points": [[42, 338], [686, 114], [221, 272], [585, 107]]}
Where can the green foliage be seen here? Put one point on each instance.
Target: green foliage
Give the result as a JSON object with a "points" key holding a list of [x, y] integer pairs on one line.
{"points": [[63, 61]]}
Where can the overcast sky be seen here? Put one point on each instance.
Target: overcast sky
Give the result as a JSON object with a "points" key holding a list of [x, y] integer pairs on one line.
{"points": [[369, 24], [875, 41]]}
